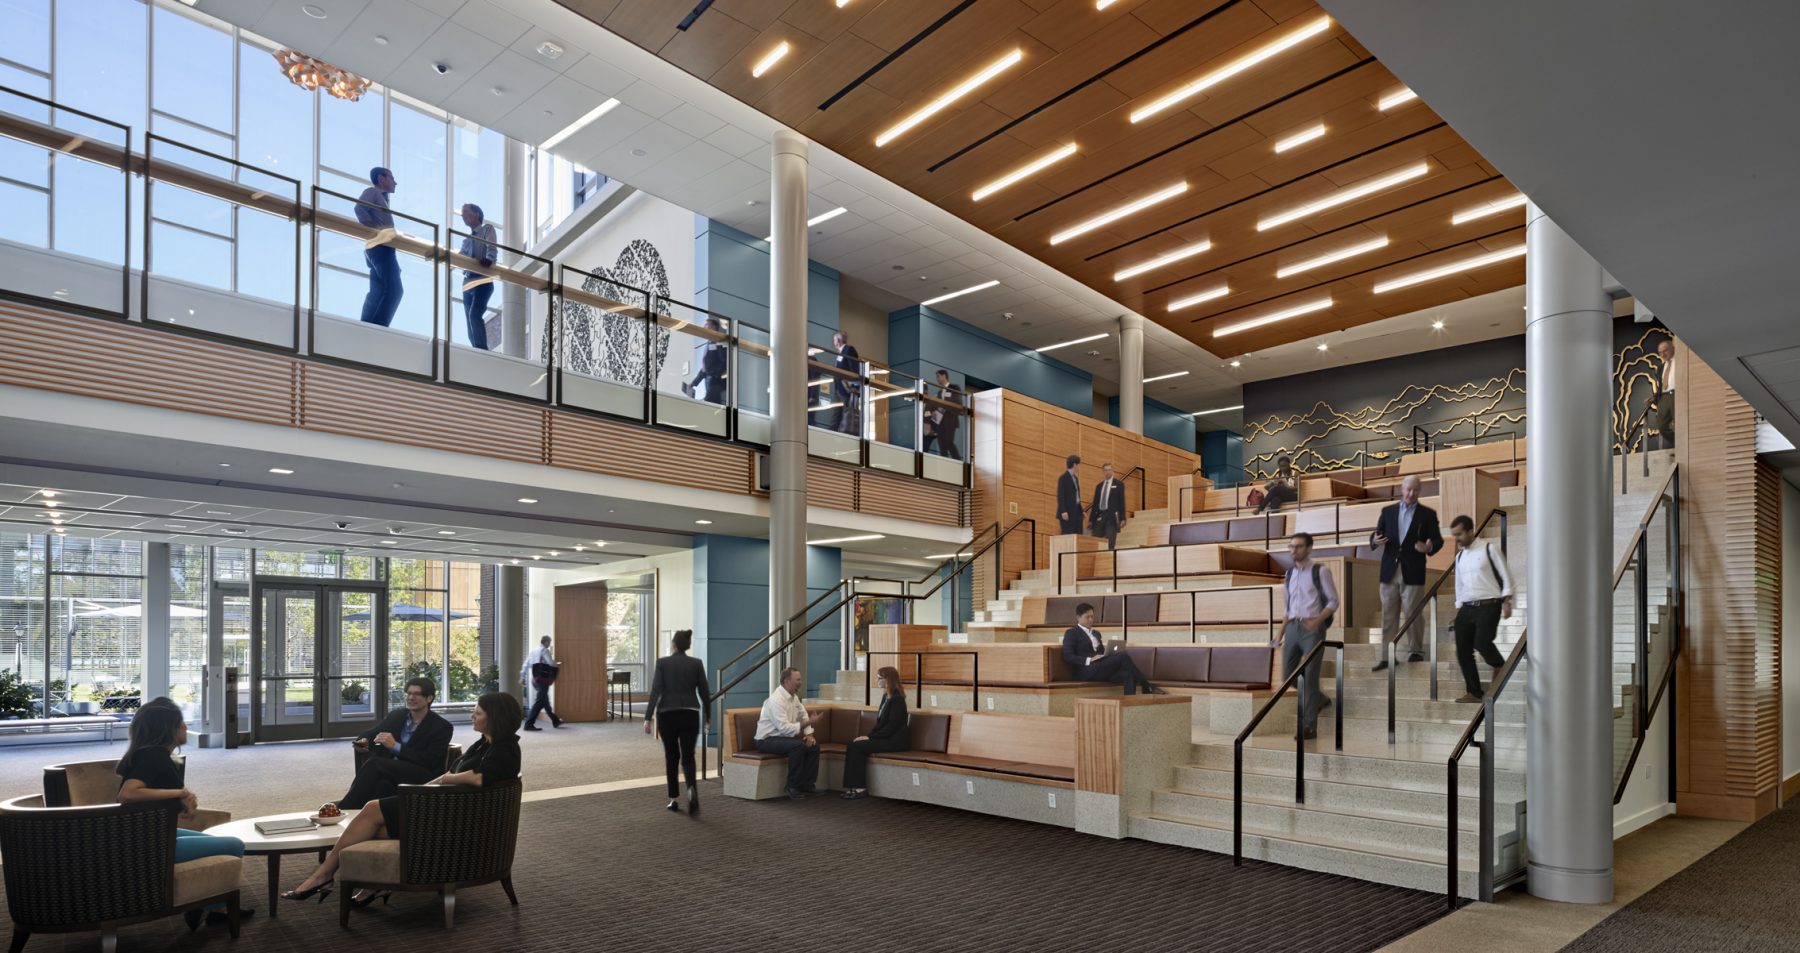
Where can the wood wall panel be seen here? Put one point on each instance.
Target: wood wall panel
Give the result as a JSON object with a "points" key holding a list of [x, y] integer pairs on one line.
{"points": [[581, 648], [884, 494], [1100, 745], [1728, 712], [830, 485], [376, 406]]}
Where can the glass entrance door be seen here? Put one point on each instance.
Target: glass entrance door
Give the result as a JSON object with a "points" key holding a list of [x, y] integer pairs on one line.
{"points": [[315, 657]]}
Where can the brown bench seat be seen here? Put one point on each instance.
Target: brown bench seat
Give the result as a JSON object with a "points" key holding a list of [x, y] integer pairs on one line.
{"points": [[1227, 667], [1040, 749]]}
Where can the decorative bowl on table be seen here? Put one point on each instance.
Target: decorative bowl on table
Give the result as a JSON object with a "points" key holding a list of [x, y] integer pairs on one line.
{"points": [[328, 815]]}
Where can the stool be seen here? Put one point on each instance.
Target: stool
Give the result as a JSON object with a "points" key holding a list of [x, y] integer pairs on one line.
{"points": [[618, 686]]}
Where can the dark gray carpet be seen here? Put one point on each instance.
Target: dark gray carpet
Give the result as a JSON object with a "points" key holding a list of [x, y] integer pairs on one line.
{"points": [[615, 871], [1743, 896]]}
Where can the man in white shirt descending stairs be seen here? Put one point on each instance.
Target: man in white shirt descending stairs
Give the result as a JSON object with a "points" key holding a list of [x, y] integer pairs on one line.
{"points": [[1483, 598]]}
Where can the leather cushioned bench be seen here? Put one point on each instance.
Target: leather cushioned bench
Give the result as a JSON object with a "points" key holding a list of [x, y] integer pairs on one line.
{"points": [[1232, 667], [837, 727], [930, 737], [1138, 608]]}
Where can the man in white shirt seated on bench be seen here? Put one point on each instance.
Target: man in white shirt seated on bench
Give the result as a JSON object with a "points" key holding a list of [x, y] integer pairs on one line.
{"points": [[784, 728], [1483, 598]]}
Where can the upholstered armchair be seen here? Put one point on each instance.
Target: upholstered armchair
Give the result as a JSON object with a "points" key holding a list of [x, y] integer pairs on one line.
{"points": [[73, 869], [451, 755], [93, 783], [452, 836]]}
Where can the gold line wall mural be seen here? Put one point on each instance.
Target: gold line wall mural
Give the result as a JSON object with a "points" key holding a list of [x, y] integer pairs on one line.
{"points": [[1325, 437]]}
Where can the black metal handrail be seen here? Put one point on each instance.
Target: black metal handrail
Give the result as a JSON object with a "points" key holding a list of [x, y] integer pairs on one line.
{"points": [[1143, 491], [1237, 747], [719, 672], [919, 675], [1412, 618], [1638, 550], [774, 653], [1484, 716]]}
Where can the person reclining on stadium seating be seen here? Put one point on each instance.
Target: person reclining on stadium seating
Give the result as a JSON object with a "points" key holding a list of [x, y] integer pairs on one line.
{"points": [[1088, 661]]}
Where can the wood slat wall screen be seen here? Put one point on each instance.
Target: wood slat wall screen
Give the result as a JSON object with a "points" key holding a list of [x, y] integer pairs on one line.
{"points": [[379, 407], [883, 494], [614, 448], [1729, 685], [1099, 745], [72, 354], [831, 485]]}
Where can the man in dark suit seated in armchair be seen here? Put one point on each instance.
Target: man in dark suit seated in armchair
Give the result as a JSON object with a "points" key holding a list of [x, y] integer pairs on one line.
{"points": [[1086, 657], [409, 746]]}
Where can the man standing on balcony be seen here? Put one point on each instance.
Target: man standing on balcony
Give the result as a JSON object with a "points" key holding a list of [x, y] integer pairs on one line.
{"points": [[1406, 533], [1108, 510], [847, 391], [1483, 598], [478, 286], [1068, 497], [383, 299]]}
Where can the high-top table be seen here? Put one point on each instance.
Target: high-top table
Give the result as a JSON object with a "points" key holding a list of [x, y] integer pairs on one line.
{"points": [[317, 840]]}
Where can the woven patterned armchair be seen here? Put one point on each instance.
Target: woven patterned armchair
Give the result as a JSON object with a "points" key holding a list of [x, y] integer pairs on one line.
{"points": [[92, 783], [452, 836], [73, 869], [450, 756]]}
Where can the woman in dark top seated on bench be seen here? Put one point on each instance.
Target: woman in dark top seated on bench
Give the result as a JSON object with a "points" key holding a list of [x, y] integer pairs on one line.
{"points": [[492, 760], [889, 734]]}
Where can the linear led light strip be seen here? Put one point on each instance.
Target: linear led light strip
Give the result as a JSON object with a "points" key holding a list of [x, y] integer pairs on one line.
{"points": [[1454, 268], [1171, 258], [1165, 377], [1201, 298], [957, 294], [770, 59], [1362, 189], [816, 219], [1398, 98], [1336, 256], [578, 125], [1483, 211], [1085, 340], [1028, 169], [1267, 319], [1216, 410], [949, 98], [1300, 138], [1113, 215], [1289, 41]]}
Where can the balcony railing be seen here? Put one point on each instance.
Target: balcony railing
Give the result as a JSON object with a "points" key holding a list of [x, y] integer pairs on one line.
{"points": [[224, 250]]}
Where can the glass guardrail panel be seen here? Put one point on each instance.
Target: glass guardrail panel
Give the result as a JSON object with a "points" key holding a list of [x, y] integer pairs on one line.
{"points": [[377, 294], [749, 382], [693, 378], [892, 408], [836, 392], [65, 198], [947, 420], [490, 288], [603, 350]]}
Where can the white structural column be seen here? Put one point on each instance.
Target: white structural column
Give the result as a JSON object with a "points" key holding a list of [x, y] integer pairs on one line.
{"points": [[787, 399], [1131, 372], [1568, 447], [514, 301], [155, 616], [509, 628]]}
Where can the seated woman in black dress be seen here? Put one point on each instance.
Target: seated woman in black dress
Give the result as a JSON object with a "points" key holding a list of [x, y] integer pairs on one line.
{"points": [[492, 760], [889, 734]]}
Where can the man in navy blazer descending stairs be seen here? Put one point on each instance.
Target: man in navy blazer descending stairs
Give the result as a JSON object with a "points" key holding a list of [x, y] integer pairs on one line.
{"points": [[1407, 533]]}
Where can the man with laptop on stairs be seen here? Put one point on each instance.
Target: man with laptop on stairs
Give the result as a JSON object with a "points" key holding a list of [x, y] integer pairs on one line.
{"points": [[1091, 661]]}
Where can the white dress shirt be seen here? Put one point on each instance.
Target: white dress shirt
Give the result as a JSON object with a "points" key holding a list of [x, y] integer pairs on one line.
{"points": [[539, 654], [1303, 599], [781, 716], [1476, 567], [1668, 376], [1093, 638]]}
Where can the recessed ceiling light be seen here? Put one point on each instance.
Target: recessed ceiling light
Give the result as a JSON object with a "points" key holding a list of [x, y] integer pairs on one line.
{"points": [[1286, 42], [1347, 195], [845, 539], [957, 294], [379, 40], [599, 542], [1323, 346], [1331, 257], [549, 50], [390, 542], [1281, 315], [1031, 168], [703, 522], [1187, 251], [1052, 347], [60, 530], [281, 470], [1437, 325], [61, 292], [537, 557], [47, 494], [526, 499], [446, 532], [770, 59], [950, 96], [317, 13], [1113, 215], [581, 549], [1300, 138], [225, 464], [515, 562], [52, 504], [234, 530], [1165, 377], [1483, 211], [555, 553], [1216, 410], [1204, 296], [1396, 98], [816, 219], [578, 125], [1237, 363], [1454, 268]]}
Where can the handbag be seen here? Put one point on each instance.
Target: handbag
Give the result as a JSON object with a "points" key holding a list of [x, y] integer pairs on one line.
{"points": [[543, 675], [1254, 498]]}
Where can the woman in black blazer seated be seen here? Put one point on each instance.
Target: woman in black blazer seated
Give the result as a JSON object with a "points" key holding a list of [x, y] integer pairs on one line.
{"points": [[492, 760], [889, 734], [679, 702]]}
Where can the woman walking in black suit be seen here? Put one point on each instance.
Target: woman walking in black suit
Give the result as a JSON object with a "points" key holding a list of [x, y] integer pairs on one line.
{"points": [[678, 705], [889, 734]]}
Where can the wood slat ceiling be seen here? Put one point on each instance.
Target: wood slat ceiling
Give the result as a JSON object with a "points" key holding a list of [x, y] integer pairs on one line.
{"points": [[853, 71]]}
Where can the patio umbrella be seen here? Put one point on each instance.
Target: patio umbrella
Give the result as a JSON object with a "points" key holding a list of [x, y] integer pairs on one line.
{"points": [[136, 610], [411, 613]]}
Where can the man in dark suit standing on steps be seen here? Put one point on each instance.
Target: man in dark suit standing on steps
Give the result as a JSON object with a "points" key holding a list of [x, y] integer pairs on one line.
{"points": [[1086, 657], [1108, 511], [1406, 533], [1068, 497]]}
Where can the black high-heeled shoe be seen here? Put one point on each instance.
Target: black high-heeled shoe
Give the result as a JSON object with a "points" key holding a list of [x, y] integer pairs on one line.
{"points": [[381, 895], [675, 805], [321, 891]]}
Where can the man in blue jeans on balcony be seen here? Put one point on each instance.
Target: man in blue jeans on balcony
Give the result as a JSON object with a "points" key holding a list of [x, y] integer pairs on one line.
{"points": [[383, 299]]}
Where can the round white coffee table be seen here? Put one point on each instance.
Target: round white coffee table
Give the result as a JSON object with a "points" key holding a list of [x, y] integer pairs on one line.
{"points": [[316, 840]]}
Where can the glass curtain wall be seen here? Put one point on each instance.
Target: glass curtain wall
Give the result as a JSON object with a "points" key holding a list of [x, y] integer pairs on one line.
{"points": [[631, 628], [96, 630], [434, 618], [188, 609]]}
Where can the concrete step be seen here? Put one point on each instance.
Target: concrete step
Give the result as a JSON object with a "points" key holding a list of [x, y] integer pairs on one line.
{"points": [[1426, 807], [1370, 762], [1360, 825]]}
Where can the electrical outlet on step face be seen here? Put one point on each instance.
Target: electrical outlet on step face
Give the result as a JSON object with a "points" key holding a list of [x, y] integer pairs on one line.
{"points": [[1052, 798], [971, 787]]}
